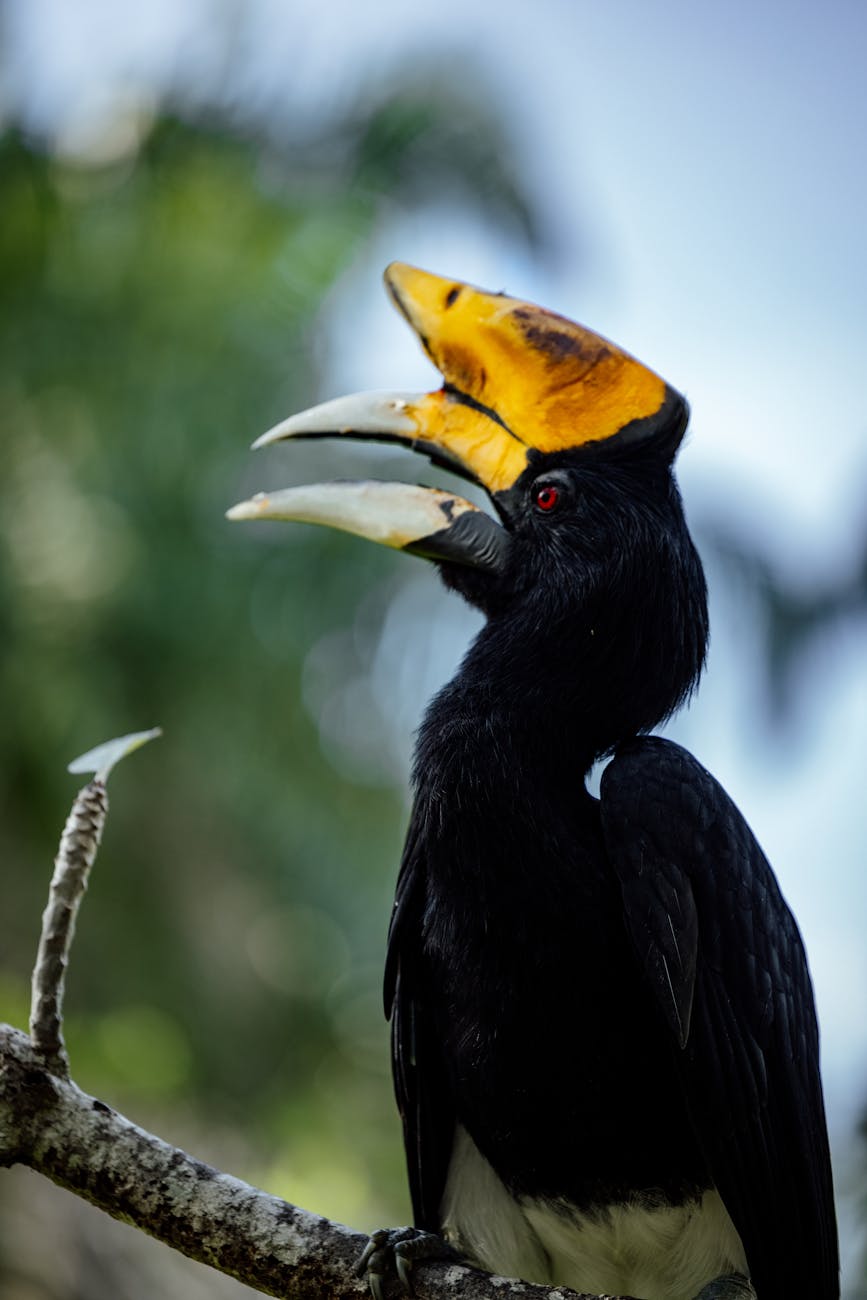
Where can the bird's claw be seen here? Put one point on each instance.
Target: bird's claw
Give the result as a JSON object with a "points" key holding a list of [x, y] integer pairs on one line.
{"points": [[732, 1286], [395, 1250]]}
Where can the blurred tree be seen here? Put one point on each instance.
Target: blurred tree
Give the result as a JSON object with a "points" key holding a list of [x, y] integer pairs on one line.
{"points": [[158, 306]]}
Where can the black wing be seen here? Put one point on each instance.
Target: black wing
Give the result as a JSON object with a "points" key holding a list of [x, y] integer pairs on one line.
{"points": [[420, 1084], [723, 955]]}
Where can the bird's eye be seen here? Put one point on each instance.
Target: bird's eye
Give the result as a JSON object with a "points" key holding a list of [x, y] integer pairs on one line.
{"points": [[546, 498]]}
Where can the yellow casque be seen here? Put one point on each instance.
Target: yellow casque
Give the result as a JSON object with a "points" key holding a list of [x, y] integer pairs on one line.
{"points": [[516, 377]]}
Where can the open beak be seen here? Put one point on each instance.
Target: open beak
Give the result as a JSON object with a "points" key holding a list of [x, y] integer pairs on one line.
{"points": [[519, 382]]}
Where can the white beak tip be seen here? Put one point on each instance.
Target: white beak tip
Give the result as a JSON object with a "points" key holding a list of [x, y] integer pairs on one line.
{"points": [[251, 509], [360, 415], [270, 435]]}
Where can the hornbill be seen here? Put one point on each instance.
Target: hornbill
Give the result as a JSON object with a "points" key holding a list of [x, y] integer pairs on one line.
{"points": [[604, 1041]]}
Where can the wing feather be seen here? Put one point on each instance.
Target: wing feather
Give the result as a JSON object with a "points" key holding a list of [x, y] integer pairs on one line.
{"points": [[420, 1084], [722, 953]]}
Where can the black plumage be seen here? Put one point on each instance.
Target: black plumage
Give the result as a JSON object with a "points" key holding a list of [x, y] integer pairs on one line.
{"points": [[610, 996]]}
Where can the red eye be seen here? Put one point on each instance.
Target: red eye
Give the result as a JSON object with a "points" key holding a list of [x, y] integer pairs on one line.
{"points": [[547, 497]]}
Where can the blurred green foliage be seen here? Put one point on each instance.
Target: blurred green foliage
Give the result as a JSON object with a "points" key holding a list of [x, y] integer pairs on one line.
{"points": [[157, 310]]}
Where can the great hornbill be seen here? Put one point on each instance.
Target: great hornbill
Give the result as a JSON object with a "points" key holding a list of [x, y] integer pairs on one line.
{"points": [[604, 1041]]}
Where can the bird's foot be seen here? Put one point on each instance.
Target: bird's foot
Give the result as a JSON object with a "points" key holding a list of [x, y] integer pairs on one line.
{"points": [[395, 1250], [731, 1286]]}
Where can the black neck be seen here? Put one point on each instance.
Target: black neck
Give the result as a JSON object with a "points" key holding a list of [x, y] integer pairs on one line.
{"points": [[580, 679]]}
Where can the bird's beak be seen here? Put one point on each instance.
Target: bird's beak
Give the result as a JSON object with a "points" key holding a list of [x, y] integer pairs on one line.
{"points": [[519, 381], [424, 521]]}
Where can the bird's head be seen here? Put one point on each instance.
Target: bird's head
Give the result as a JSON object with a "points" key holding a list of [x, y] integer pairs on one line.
{"points": [[572, 439]]}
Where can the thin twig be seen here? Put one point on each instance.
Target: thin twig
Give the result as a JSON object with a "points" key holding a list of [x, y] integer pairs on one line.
{"points": [[75, 856], [78, 845]]}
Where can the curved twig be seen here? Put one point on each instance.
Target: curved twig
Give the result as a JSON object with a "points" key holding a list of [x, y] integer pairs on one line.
{"points": [[78, 845]]}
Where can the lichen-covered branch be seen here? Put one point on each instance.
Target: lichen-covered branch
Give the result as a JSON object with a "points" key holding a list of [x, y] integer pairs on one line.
{"points": [[79, 1142]]}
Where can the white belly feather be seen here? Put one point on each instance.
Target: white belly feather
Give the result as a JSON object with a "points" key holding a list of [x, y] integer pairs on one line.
{"points": [[657, 1252]]}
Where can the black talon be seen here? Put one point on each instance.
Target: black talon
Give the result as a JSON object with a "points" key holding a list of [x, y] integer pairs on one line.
{"points": [[404, 1269], [394, 1251]]}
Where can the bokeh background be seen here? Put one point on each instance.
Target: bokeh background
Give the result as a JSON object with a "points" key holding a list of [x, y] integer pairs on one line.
{"points": [[197, 198]]}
